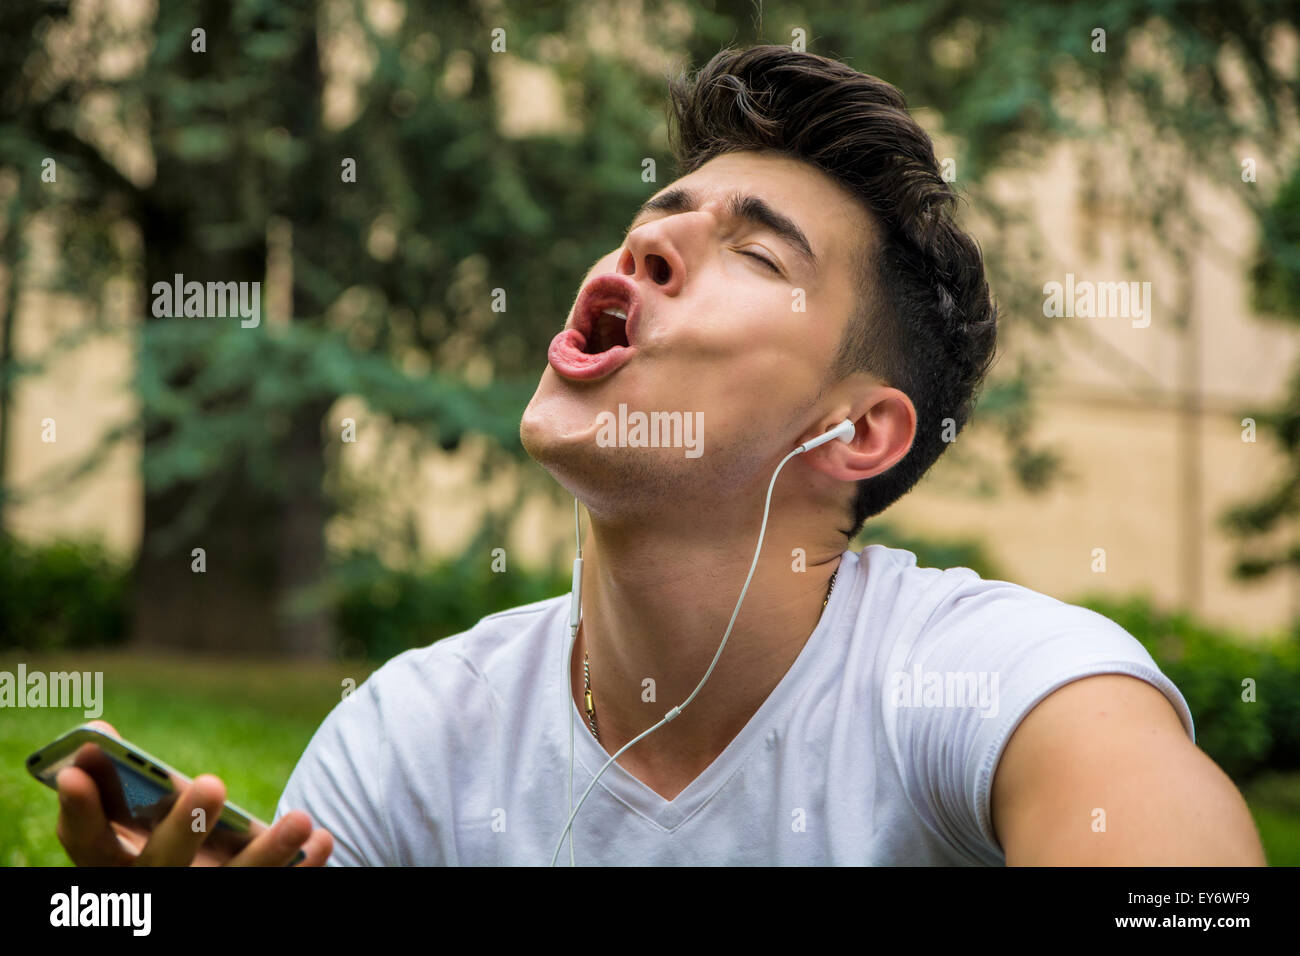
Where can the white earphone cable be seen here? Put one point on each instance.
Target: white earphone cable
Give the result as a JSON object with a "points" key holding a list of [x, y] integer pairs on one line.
{"points": [[573, 640], [676, 711]]}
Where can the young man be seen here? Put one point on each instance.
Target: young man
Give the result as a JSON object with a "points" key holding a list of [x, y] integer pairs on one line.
{"points": [[803, 271]]}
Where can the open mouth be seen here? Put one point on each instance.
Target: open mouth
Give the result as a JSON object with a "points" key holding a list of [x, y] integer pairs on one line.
{"points": [[601, 337], [606, 313], [608, 330]]}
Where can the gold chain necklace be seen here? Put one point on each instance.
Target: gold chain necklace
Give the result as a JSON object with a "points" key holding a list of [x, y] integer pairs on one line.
{"points": [[590, 701]]}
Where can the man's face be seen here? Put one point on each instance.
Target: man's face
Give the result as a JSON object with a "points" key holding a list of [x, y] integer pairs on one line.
{"points": [[738, 346]]}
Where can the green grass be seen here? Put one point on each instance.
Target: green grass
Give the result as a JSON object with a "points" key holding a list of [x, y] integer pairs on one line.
{"points": [[249, 721], [1274, 801]]}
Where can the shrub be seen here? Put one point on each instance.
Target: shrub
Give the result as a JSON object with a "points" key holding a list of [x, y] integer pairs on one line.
{"points": [[384, 611], [1210, 667], [61, 595], [932, 552]]}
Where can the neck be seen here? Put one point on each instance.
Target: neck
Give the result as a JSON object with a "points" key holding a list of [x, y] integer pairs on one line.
{"points": [[656, 602]]}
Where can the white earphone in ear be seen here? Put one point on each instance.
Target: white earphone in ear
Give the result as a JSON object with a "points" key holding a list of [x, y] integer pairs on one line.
{"points": [[844, 431]]}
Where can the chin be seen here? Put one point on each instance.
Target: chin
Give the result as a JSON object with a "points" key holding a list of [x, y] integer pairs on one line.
{"points": [[533, 435], [568, 456], [554, 427]]}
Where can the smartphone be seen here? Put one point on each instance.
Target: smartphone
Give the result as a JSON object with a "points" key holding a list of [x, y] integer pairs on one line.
{"points": [[137, 789]]}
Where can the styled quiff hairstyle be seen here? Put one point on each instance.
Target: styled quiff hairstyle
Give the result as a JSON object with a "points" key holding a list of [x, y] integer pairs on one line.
{"points": [[925, 323]]}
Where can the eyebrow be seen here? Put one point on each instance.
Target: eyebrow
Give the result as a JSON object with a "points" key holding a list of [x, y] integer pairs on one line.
{"points": [[741, 206]]}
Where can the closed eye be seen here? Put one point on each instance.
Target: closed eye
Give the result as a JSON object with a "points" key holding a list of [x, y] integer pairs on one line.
{"points": [[763, 259]]}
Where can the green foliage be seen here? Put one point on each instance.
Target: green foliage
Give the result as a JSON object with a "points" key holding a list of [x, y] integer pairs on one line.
{"points": [[1256, 522], [1209, 667], [1274, 801], [383, 611], [1276, 274], [932, 552], [61, 595], [233, 413], [74, 594], [395, 274]]}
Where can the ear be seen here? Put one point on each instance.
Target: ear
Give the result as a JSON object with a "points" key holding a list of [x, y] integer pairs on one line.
{"points": [[884, 428]]}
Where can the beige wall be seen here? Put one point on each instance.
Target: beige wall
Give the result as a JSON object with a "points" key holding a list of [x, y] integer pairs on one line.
{"points": [[1120, 493], [85, 391]]}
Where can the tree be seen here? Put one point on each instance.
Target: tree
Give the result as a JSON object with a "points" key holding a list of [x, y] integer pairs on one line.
{"points": [[231, 102], [1262, 524], [253, 130]]}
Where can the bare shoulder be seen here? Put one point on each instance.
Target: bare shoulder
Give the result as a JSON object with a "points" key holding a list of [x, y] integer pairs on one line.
{"points": [[1102, 772]]}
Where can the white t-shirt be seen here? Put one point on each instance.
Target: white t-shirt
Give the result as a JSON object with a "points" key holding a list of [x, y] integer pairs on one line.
{"points": [[878, 746]]}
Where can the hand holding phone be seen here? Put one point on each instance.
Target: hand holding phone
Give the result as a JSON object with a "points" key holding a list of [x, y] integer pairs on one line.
{"points": [[97, 830]]}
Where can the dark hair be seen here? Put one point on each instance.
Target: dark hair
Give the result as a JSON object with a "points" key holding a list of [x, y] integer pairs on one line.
{"points": [[933, 328]]}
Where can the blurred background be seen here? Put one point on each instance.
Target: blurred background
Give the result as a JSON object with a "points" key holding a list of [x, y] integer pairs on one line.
{"points": [[235, 524]]}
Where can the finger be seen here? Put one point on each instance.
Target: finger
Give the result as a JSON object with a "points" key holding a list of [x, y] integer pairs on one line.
{"points": [[133, 840], [83, 829], [176, 840], [318, 848], [105, 726], [278, 844]]}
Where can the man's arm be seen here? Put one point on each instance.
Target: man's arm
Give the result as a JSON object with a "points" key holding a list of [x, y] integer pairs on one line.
{"points": [[1113, 743]]}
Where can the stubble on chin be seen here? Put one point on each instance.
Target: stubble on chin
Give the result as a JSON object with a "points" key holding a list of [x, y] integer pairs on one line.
{"points": [[643, 484]]}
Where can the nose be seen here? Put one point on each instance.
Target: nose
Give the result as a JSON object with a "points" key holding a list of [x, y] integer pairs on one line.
{"points": [[651, 254]]}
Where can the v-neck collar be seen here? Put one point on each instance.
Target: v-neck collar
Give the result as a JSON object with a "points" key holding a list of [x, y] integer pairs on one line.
{"points": [[669, 814]]}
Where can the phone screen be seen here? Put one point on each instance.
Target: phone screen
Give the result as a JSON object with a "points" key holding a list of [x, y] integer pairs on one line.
{"points": [[130, 795]]}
